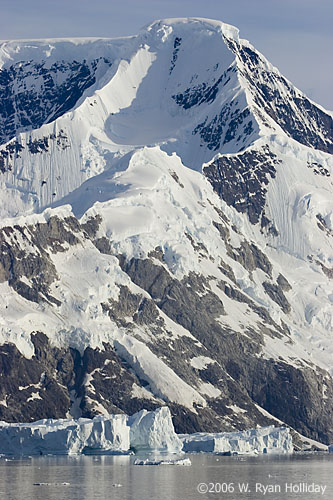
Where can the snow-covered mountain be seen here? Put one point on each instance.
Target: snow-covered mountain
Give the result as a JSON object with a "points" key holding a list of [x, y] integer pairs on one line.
{"points": [[166, 232]]}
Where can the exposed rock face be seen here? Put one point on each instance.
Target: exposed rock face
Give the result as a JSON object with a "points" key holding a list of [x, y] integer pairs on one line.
{"points": [[24, 256], [202, 93], [179, 300], [107, 380], [14, 148], [241, 180], [270, 90], [42, 387], [57, 381], [275, 293], [236, 355], [35, 388], [34, 93], [231, 123], [286, 391], [283, 283]]}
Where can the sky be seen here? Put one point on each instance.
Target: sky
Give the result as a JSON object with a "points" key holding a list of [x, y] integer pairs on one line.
{"points": [[295, 35]]}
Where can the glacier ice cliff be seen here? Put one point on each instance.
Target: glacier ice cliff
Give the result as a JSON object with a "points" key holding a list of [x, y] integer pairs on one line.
{"points": [[144, 431], [66, 436], [263, 440], [154, 430]]}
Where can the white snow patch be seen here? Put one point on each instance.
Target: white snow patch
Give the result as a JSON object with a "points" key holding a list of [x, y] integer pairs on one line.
{"points": [[236, 409], [201, 362], [143, 393], [163, 381], [209, 390], [34, 395]]}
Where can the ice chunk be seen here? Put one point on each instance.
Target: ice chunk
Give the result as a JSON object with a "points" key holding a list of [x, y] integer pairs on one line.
{"points": [[51, 484], [66, 437], [179, 461], [107, 434], [154, 430], [263, 440]]}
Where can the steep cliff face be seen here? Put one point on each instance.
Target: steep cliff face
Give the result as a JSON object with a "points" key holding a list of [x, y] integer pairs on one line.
{"points": [[166, 233], [33, 93]]}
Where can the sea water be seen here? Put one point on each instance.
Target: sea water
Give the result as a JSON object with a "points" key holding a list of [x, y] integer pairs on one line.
{"points": [[306, 476]]}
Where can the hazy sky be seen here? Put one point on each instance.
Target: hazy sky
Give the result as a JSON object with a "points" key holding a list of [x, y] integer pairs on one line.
{"points": [[295, 35]]}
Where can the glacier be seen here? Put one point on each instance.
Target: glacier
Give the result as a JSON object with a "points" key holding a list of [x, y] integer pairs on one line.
{"points": [[66, 436], [144, 432], [264, 440]]}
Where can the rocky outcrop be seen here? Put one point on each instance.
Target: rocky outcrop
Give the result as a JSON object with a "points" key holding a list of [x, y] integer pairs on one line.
{"points": [[296, 115], [34, 93], [188, 302], [242, 180], [57, 381], [291, 393], [231, 123], [15, 148], [25, 262], [274, 291], [35, 388], [269, 383]]}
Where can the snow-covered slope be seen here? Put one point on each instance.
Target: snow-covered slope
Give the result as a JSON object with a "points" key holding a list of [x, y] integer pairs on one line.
{"points": [[166, 233]]}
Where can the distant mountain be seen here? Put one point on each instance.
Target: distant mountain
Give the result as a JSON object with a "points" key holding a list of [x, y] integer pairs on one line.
{"points": [[166, 234]]}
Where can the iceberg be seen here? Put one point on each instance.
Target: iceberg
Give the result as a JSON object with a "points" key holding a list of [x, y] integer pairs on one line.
{"points": [[153, 430], [262, 440], [66, 436], [143, 432]]}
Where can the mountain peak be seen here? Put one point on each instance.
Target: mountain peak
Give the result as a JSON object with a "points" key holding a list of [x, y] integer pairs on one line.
{"points": [[193, 24], [169, 239]]}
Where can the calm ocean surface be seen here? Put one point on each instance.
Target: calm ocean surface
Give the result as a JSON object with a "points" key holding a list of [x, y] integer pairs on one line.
{"points": [[115, 477]]}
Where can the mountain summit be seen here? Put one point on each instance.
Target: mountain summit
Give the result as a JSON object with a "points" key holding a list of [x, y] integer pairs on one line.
{"points": [[166, 234]]}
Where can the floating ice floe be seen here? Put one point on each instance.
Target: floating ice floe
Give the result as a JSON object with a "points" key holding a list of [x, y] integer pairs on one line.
{"points": [[179, 461], [51, 484], [263, 440]]}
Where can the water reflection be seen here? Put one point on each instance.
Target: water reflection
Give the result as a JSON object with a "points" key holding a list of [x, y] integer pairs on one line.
{"points": [[116, 478]]}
